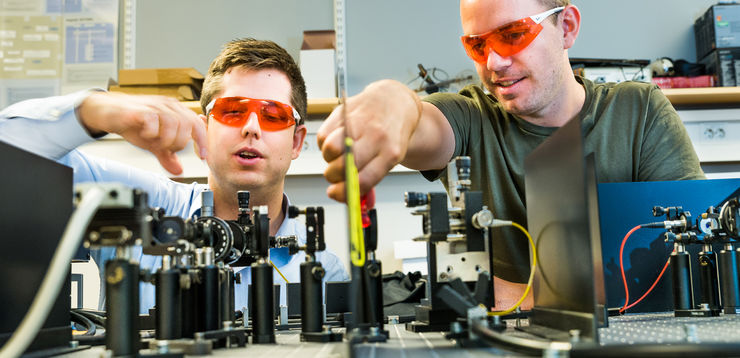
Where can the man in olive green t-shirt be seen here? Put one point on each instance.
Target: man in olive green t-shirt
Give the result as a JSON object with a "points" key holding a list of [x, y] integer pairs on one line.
{"points": [[520, 49]]}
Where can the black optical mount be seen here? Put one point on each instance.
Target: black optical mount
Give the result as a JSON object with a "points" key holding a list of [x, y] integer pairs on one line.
{"points": [[122, 221], [194, 287], [459, 253], [718, 272], [312, 275]]}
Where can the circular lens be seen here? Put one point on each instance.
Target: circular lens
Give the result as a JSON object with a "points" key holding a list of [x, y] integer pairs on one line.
{"points": [[218, 235]]}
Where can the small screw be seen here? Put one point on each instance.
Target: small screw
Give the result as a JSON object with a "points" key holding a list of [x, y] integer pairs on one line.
{"points": [[456, 327], [575, 335], [691, 335]]}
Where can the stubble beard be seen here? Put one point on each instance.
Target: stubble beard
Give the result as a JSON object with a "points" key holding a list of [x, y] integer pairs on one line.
{"points": [[532, 103]]}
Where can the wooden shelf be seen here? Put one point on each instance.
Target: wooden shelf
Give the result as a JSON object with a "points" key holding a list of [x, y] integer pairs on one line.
{"points": [[721, 96], [316, 106], [193, 105], [709, 96]]}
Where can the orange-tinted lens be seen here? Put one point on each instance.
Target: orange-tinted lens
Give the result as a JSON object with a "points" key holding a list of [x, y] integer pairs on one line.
{"points": [[506, 40], [274, 116], [234, 111]]}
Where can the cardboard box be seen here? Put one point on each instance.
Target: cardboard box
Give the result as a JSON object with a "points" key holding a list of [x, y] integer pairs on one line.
{"points": [[318, 63], [180, 92], [161, 76]]}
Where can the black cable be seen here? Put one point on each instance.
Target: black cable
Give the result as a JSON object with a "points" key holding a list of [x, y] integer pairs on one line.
{"points": [[89, 325], [434, 74], [95, 316], [92, 311], [97, 340]]}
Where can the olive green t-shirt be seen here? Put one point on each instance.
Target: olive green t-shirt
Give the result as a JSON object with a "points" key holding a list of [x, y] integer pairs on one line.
{"points": [[631, 127]]}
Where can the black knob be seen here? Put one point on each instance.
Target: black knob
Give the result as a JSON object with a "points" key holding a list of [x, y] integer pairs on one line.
{"points": [[318, 272], [293, 248], [243, 198], [293, 212], [463, 167], [413, 199]]}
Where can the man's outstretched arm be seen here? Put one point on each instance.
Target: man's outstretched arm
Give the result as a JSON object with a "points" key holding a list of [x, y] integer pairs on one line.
{"points": [[390, 125]]}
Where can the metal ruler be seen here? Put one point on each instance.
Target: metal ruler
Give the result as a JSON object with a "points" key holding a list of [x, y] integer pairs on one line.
{"points": [[341, 51], [128, 34]]}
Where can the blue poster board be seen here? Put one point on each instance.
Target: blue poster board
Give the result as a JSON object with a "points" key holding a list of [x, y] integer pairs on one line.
{"points": [[623, 206]]}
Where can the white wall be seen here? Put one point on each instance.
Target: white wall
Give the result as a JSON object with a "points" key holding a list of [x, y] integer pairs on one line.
{"points": [[189, 33], [638, 29], [388, 38]]}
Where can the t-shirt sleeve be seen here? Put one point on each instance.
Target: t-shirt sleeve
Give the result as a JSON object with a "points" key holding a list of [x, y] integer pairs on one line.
{"points": [[458, 109], [48, 127], [667, 152]]}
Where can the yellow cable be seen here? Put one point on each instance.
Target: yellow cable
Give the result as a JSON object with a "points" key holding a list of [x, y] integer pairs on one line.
{"points": [[531, 274], [278, 271], [352, 182]]}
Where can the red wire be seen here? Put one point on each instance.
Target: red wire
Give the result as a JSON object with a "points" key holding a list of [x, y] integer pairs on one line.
{"points": [[651, 287], [627, 305], [621, 267]]}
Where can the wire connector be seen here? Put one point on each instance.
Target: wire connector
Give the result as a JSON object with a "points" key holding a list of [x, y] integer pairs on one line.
{"points": [[501, 223], [668, 224]]}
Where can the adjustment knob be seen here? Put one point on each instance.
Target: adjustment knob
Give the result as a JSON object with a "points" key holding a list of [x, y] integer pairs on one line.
{"points": [[463, 167], [413, 199], [293, 211], [206, 206], [242, 197], [318, 272]]}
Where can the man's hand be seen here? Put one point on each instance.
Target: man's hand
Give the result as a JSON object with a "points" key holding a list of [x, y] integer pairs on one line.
{"points": [[381, 120], [161, 125], [508, 293]]}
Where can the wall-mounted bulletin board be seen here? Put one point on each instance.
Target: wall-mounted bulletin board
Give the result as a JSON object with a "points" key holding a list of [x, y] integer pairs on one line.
{"points": [[51, 47]]}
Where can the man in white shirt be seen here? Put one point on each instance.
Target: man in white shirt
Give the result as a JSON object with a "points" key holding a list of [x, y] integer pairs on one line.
{"points": [[254, 100]]}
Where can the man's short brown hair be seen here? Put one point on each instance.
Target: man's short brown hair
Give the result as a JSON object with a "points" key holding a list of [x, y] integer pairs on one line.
{"points": [[551, 4], [251, 54]]}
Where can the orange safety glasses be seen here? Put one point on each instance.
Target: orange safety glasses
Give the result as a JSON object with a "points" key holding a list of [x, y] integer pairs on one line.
{"points": [[508, 39], [234, 112]]}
